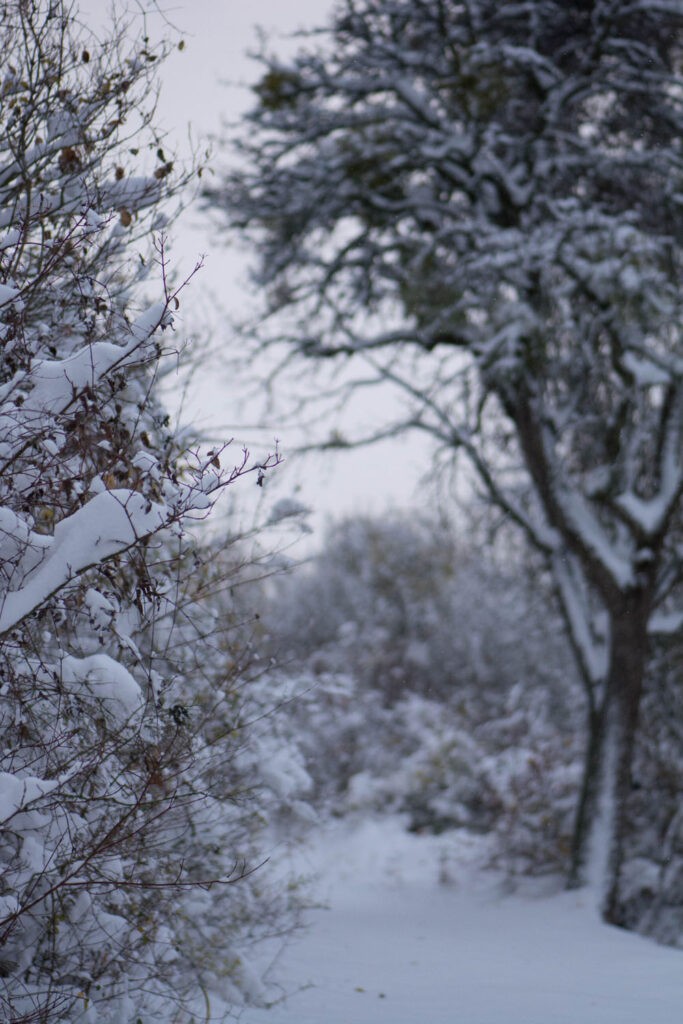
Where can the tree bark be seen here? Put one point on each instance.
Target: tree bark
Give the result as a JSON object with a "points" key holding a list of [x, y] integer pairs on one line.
{"points": [[587, 807], [627, 671], [628, 654], [613, 719]]}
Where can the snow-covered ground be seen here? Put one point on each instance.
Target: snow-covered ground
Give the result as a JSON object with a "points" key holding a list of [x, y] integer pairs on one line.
{"points": [[414, 933]]}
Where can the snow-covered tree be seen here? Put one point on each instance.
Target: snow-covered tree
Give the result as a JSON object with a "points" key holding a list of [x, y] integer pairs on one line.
{"points": [[111, 823], [479, 204]]}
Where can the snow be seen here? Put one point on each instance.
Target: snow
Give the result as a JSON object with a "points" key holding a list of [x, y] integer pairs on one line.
{"points": [[645, 372], [415, 933], [55, 382], [593, 650], [101, 610], [649, 515], [597, 868], [8, 240], [593, 537], [106, 680], [17, 792], [285, 774], [665, 623], [110, 523], [7, 294], [147, 323]]}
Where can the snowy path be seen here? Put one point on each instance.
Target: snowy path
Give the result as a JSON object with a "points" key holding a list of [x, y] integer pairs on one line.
{"points": [[396, 947]]}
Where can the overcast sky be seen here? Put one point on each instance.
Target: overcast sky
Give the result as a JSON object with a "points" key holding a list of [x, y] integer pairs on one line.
{"points": [[202, 85]]}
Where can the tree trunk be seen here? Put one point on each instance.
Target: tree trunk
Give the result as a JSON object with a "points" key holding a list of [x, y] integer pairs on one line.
{"points": [[628, 653], [587, 807], [608, 779]]}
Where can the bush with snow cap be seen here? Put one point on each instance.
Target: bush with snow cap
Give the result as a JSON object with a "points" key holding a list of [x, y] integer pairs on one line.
{"points": [[106, 811]]}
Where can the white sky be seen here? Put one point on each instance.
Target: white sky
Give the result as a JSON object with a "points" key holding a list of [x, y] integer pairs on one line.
{"points": [[195, 98]]}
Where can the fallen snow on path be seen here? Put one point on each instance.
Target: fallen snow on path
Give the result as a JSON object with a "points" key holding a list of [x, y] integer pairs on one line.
{"points": [[414, 933]]}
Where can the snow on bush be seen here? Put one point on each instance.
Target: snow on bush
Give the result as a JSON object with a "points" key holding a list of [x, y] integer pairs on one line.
{"points": [[128, 831]]}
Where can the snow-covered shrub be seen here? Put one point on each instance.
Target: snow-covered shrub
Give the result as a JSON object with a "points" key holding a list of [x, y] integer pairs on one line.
{"points": [[124, 816], [405, 606], [433, 683]]}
